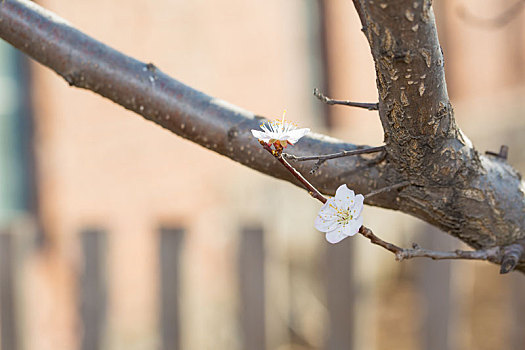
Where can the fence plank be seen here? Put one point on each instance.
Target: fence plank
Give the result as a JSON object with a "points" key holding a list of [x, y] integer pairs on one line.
{"points": [[93, 288], [8, 329], [170, 250], [252, 295], [437, 295], [340, 295], [517, 334]]}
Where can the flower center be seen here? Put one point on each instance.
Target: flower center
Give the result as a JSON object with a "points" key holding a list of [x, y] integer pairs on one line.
{"points": [[343, 215]]}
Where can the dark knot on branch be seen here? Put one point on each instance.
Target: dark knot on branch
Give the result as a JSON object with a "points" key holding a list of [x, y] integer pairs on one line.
{"points": [[511, 257]]}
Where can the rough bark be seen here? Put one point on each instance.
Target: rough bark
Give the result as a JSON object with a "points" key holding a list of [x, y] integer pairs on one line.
{"points": [[476, 198]]}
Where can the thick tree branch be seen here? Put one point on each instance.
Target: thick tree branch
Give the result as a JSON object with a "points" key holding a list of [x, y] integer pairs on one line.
{"points": [[215, 124], [476, 198], [387, 189]]}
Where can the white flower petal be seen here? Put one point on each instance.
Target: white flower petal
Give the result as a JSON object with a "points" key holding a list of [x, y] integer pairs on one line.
{"points": [[353, 226], [328, 208], [344, 193], [326, 219], [358, 205], [335, 236], [341, 204], [294, 135], [261, 135], [359, 199], [325, 225], [327, 215]]}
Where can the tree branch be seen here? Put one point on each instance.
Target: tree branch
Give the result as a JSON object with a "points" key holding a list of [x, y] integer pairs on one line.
{"points": [[144, 89], [507, 256], [418, 252], [330, 101], [476, 198], [324, 157]]}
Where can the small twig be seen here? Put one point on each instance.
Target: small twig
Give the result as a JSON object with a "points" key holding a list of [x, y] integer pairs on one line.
{"points": [[336, 155], [314, 192], [365, 231], [323, 158], [329, 101], [373, 161], [387, 188], [503, 152], [492, 254], [499, 21]]}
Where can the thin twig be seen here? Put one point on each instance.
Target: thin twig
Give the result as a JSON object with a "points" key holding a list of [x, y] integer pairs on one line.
{"points": [[330, 101], [367, 163], [387, 188], [336, 155], [492, 254], [503, 152], [314, 192], [365, 231]]}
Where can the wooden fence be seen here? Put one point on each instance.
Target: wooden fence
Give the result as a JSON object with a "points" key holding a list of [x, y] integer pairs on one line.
{"points": [[437, 297]]}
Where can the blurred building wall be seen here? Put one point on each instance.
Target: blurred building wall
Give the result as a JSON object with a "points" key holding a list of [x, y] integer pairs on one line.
{"points": [[102, 168]]}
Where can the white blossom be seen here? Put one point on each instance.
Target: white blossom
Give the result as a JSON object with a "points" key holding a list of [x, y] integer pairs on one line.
{"points": [[280, 132], [340, 216]]}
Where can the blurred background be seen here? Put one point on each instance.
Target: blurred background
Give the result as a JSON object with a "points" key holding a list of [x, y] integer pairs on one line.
{"points": [[116, 234]]}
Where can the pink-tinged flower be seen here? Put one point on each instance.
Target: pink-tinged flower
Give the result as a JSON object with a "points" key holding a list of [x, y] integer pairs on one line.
{"points": [[280, 133], [340, 216]]}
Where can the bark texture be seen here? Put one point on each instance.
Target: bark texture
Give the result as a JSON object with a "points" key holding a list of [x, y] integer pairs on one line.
{"points": [[477, 198]]}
